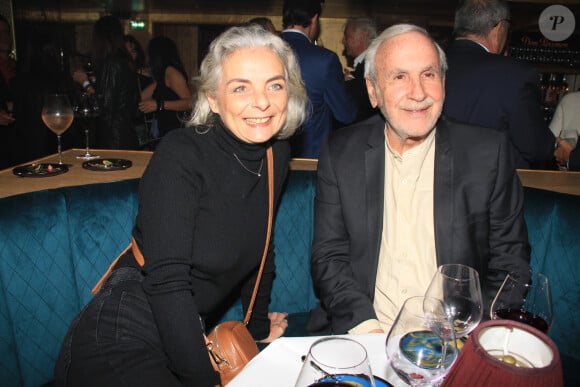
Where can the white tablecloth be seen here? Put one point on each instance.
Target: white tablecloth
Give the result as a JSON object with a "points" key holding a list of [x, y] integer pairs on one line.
{"points": [[279, 363]]}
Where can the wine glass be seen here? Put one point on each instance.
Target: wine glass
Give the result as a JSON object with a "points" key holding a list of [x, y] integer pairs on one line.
{"points": [[57, 114], [85, 111], [527, 302], [459, 288], [336, 362], [421, 345]]}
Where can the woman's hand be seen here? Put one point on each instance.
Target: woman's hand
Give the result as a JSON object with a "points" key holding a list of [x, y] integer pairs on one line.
{"points": [[148, 106], [278, 325]]}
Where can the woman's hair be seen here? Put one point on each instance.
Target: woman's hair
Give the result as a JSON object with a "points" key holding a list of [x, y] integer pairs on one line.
{"points": [[109, 39], [389, 33], [237, 38], [163, 53], [478, 17], [140, 59]]}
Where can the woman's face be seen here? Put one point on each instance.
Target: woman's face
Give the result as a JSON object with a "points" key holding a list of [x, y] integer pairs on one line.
{"points": [[252, 95], [132, 51]]}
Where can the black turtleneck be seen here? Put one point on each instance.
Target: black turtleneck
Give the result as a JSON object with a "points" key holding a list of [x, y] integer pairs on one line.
{"points": [[201, 228]]}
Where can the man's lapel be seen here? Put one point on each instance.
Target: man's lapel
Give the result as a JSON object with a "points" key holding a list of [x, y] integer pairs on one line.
{"points": [[443, 194]]}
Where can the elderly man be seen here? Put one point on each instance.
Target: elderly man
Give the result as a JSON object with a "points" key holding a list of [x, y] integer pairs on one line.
{"points": [[402, 193], [358, 34], [485, 87]]}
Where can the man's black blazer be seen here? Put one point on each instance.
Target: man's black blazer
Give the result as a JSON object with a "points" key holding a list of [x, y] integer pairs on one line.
{"points": [[357, 88], [498, 92], [478, 215]]}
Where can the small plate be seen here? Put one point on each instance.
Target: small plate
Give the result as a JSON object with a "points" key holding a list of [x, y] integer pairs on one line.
{"points": [[107, 164], [40, 170], [351, 380]]}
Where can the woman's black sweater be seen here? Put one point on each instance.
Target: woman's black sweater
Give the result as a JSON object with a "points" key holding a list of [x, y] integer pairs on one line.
{"points": [[201, 228]]}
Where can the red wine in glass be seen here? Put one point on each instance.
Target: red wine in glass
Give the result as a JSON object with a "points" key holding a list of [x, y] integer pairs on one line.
{"points": [[525, 300], [523, 316]]}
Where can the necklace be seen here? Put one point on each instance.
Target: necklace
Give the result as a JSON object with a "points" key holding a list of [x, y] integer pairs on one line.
{"points": [[257, 173]]}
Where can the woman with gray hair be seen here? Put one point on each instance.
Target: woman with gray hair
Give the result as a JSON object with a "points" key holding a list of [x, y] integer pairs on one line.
{"points": [[201, 227]]}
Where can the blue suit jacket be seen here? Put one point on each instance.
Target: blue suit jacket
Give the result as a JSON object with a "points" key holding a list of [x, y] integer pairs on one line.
{"points": [[478, 215], [325, 85], [502, 93]]}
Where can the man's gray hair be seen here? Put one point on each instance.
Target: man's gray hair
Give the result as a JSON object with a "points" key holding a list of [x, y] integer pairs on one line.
{"points": [[363, 24], [391, 32], [237, 38], [479, 17]]}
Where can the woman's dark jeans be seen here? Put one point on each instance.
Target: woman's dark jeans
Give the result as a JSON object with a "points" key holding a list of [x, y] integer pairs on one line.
{"points": [[114, 340]]}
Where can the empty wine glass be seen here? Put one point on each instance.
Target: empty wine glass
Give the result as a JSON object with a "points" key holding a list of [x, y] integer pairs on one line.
{"points": [[336, 362], [86, 110], [529, 302], [459, 288], [421, 345], [57, 114]]}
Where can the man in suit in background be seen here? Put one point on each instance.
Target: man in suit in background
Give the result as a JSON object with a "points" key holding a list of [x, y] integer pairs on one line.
{"points": [[322, 75], [485, 87], [404, 192], [358, 34]]}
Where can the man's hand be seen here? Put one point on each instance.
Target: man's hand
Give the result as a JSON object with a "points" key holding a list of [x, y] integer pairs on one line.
{"points": [[562, 152]]}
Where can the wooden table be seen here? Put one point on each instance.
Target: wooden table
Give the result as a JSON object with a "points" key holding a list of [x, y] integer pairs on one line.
{"points": [[10, 184], [556, 181]]}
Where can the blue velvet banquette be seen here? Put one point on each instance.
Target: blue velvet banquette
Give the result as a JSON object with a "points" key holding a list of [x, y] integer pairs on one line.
{"points": [[55, 244]]}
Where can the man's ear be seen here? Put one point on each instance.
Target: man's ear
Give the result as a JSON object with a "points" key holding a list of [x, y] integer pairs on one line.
{"points": [[372, 93], [495, 45]]}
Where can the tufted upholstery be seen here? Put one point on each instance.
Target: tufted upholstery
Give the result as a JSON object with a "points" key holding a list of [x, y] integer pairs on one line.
{"points": [[55, 244]]}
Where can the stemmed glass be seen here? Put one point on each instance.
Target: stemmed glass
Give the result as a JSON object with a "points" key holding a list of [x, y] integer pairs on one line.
{"points": [[57, 114], [421, 345], [336, 362], [459, 288], [529, 302], [86, 110]]}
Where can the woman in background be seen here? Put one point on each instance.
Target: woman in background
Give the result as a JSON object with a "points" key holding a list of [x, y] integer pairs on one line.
{"points": [[169, 94], [201, 227]]}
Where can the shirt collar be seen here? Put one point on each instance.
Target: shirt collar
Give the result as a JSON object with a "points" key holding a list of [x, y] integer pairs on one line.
{"points": [[360, 58], [297, 31]]}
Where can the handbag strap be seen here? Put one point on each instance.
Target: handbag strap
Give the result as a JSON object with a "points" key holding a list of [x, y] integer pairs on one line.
{"points": [[270, 159]]}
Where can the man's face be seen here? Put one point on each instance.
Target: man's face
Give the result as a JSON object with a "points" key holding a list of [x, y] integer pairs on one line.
{"points": [[409, 88], [354, 42]]}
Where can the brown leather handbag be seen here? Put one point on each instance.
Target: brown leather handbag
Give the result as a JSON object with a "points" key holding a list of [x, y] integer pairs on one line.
{"points": [[230, 344]]}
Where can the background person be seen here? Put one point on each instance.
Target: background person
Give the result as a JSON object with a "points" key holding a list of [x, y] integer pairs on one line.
{"points": [[358, 35], [476, 88], [404, 192], [322, 75], [204, 188], [168, 96], [116, 86]]}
